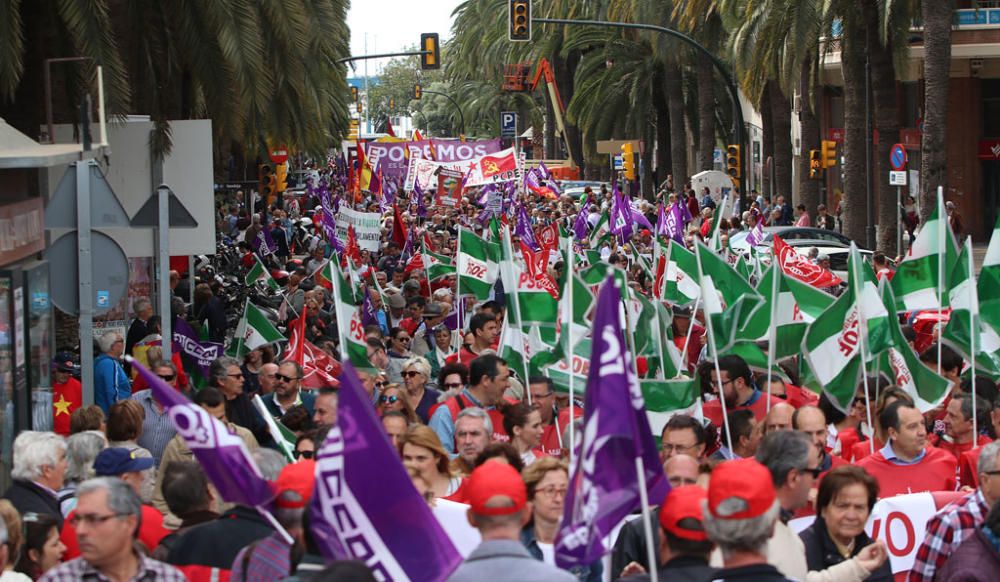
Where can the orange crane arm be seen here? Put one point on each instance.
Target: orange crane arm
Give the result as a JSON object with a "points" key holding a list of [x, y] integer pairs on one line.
{"points": [[558, 108]]}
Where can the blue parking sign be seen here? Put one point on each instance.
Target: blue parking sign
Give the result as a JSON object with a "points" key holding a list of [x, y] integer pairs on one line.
{"points": [[508, 124]]}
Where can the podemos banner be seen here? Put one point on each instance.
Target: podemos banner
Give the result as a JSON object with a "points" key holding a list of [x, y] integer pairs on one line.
{"points": [[367, 227], [393, 159]]}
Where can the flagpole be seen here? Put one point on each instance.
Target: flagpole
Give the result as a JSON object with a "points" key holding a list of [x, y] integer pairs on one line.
{"points": [[973, 332], [568, 324], [942, 256], [516, 304], [773, 328], [862, 340], [647, 526], [715, 355], [687, 339], [337, 298]]}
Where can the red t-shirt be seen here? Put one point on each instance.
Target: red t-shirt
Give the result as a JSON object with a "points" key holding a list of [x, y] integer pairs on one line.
{"points": [[959, 449], [713, 410], [66, 398], [464, 356], [968, 468], [550, 441], [935, 472], [862, 449], [799, 397], [151, 531]]}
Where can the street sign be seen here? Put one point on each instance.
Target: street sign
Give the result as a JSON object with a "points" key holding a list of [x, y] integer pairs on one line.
{"points": [[179, 216], [105, 209], [508, 124], [278, 155], [897, 178], [617, 162], [109, 272], [897, 157]]}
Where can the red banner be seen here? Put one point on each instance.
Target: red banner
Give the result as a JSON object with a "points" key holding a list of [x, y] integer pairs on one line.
{"points": [[795, 265]]}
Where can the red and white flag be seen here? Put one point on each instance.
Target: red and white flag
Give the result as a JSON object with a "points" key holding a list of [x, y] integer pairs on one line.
{"points": [[319, 370], [537, 263], [799, 267]]}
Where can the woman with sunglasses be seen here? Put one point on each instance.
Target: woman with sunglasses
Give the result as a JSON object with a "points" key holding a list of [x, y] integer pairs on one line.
{"points": [[398, 352], [393, 399], [42, 549], [416, 375], [305, 446]]}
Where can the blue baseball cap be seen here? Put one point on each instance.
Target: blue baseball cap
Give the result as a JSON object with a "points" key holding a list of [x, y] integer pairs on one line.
{"points": [[115, 461]]}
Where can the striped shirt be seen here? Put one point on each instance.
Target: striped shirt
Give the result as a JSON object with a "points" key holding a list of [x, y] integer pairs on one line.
{"points": [[269, 559], [157, 429], [79, 569], [945, 532]]}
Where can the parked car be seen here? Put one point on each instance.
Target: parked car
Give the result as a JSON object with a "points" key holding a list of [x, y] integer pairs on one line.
{"points": [[790, 234], [575, 188]]}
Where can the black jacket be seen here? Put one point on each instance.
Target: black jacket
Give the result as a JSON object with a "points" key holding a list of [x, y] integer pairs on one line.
{"points": [[821, 552], [241, 411], [216, 543], [680, 569], [631, 544], [754, 573], [26, 497]]}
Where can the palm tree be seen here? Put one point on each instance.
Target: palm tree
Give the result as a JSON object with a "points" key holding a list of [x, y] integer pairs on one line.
{"points": [[261, 70], [937, 17]]}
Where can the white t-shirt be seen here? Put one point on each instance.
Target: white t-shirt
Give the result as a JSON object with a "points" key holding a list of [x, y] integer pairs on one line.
{"points": [[548, 553]]}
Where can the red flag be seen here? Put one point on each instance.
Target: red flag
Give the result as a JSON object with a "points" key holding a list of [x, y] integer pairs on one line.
{"points": [[398, 230], [319, 370], [417, 136], [415, 262], [548, 237], [537, 269], [801, 268], [388, 127], [491, 165], [352, 250]]}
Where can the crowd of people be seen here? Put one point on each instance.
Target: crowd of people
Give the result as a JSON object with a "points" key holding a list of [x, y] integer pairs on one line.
{"points": [[114, 492]]}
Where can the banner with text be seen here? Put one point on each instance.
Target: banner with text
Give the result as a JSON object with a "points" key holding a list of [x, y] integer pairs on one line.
{"points": [[367, 227], [393, 156]]}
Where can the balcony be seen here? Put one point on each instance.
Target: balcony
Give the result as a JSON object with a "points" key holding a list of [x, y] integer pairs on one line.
{"points": [[975, 18]]}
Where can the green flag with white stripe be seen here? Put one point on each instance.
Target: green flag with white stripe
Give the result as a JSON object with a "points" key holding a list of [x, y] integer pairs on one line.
{"points": [[258, 272], [989, 281], [966, 331], [681, 285], [477, 265], [798, 305], [920, 281], [254, 330]]}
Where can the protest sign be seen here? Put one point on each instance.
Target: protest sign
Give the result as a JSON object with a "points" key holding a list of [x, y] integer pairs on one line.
{"points": [[449, 187], [393, 156], [367, 227]]}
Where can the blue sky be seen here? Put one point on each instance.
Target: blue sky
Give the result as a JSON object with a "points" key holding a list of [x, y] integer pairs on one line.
{"points": [[394, 25]]}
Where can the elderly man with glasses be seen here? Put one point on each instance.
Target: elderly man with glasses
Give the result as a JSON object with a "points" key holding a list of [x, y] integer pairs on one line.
{"points": [[225, 375], [287, 392], [111, 384]]}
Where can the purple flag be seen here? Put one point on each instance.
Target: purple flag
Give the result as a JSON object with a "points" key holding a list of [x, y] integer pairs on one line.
{"points": [[186, 341], [550, 181], [685, 213], [621, 210], [263, 244], [661, 222], [368, 315], [522, 228], [365, 506], [222, 454], [756, 235], [603, 487], [580, 230], [454, 319], [675, 224]]}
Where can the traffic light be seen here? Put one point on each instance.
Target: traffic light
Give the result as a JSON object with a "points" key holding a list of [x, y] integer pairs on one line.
{"points": [[815, 165], [281, 177], [268, 182], [418, 91], [359, 107], [829, 153], [733, 165], [431, 45], [354, 93], [628, 160], [392, 103], [519, 13]]}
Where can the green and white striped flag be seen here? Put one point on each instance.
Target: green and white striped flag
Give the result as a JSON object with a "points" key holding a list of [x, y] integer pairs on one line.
{"points": [[436, 265], [353, 346], [965, 317], [260, 273], [922, 383], [989, 281], [833, 342], [681, 285], [284, 438], [714, 242], [918, 278], [798, 305], [665, 398], [600, 230], [477, 265], [254, 330], [725, 296]]}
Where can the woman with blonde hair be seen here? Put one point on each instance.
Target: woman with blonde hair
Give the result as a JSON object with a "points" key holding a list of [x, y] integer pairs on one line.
{"points": [[422, 452], [416, 375], [393, 398]]}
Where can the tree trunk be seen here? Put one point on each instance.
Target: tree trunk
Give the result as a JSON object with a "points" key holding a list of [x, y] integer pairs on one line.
{"points": [[937, 17], [852, 56], [781, 122], [809, 190], [883, 73], [706, 114], [767, 143], [678, 136]]}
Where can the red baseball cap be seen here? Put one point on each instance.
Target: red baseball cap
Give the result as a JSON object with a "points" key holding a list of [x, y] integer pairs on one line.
{"points": [[740, 489], [680, 504], [495, 479], [296, 478]]}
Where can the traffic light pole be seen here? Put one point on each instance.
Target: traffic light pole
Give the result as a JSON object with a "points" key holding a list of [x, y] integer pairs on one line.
{"points": [[727, 76], [383, 56], [461, 115]]}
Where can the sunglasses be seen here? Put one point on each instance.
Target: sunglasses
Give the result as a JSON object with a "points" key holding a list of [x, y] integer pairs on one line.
{"points": [[167, 377], [450, 385], [815, 472], [285, 378], [304, 454], [412, 374], [381, 384], [388, 399]]}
